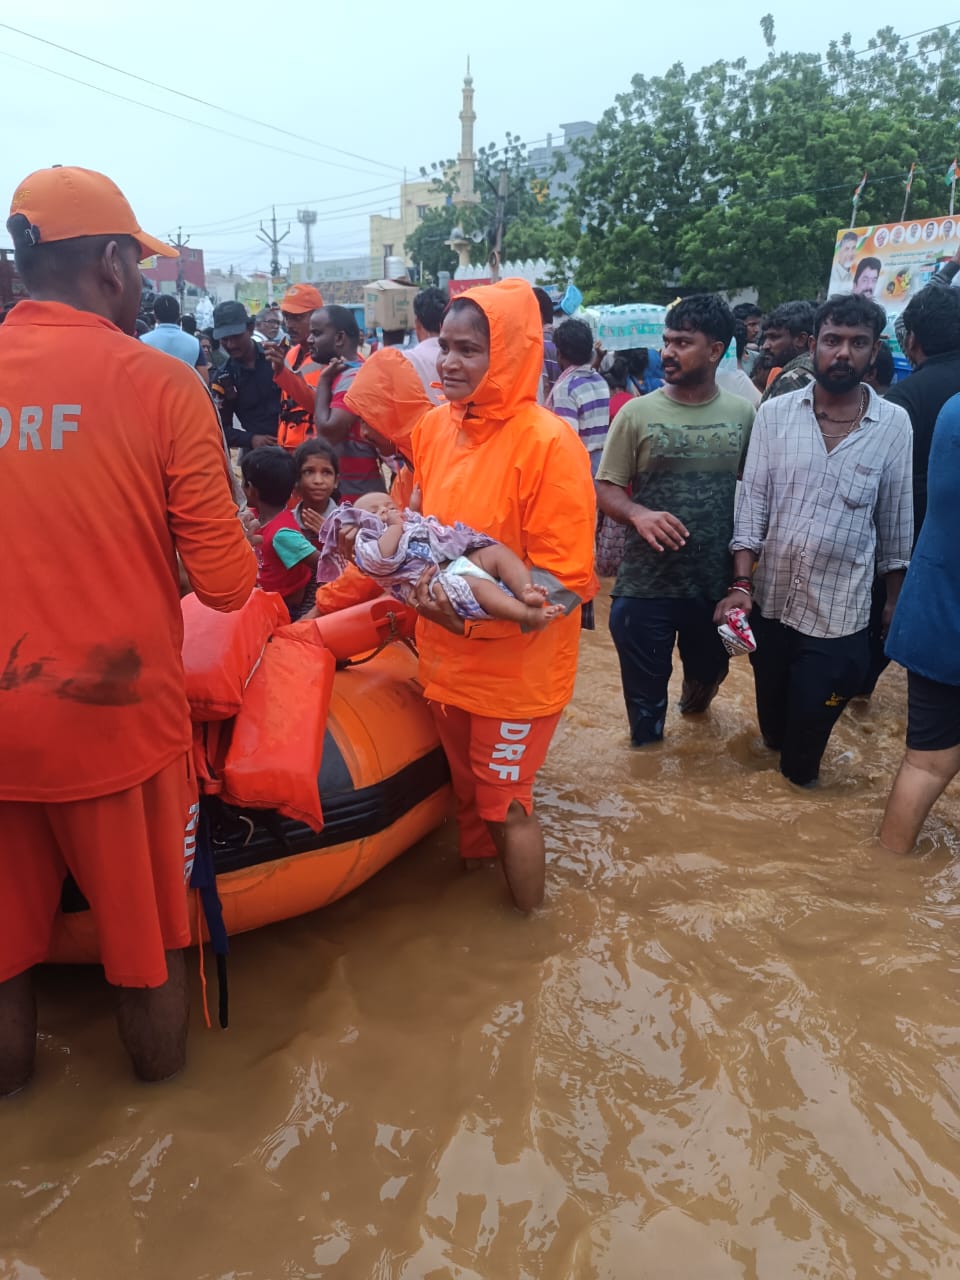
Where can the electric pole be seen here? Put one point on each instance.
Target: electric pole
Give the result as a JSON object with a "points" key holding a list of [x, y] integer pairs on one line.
{"points": [[499, 226], [180, 244], [274, 241]]}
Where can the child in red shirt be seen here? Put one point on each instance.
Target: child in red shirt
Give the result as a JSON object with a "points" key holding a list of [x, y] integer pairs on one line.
{"points": [[286, 559]]}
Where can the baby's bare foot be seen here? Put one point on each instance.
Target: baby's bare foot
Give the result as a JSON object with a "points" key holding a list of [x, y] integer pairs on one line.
{"points": [[535, 597], [540, 616]]}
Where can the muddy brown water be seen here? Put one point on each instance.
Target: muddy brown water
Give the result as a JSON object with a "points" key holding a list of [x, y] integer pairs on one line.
{"points": [[727, 1047]]}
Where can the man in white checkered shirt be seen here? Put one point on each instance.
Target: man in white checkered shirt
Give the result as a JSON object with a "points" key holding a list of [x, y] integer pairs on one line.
{"points": [[826, 499]]}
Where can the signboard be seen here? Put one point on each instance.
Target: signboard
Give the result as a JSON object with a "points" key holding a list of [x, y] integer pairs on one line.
{"points": [[160, 271], [331, 271], [456, 287], [892, 262], [261, 292]]}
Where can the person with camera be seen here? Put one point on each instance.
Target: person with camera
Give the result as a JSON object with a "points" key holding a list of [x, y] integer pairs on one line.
{"points": [[244, 388], [295, 371]]}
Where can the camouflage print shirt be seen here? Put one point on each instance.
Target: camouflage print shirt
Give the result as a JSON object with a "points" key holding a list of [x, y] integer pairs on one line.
{"points": [[684, 459], [796, 373]]}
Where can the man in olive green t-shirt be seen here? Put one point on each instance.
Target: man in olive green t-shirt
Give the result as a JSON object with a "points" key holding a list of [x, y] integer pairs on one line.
{"points": [[669, 472]]}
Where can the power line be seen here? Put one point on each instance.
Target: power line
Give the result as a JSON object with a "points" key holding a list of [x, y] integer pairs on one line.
{"points": [[914, 35], [242, 218], [232, 225], [333, 215], [240, 225], [213, 106], [200, 124], [763, 197], [227, 227]]}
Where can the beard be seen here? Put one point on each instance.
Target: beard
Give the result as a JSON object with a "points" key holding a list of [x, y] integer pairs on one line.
{"points": [[837, 379], [676, 376]]}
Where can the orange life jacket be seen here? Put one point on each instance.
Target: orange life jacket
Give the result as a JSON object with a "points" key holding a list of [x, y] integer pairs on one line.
{"points": [[296, 421]]}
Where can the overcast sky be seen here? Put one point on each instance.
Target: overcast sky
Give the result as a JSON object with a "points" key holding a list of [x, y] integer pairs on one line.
{"points": [[379, 80]]}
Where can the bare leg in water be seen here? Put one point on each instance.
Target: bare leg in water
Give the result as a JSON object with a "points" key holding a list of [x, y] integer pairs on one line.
{"points": [[18, 1032], [919, 784], [153, 1023], [519, 841]]}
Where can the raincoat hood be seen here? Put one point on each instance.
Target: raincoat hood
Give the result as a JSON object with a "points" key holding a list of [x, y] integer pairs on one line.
{"points": [[388, 395], [516, 351]]}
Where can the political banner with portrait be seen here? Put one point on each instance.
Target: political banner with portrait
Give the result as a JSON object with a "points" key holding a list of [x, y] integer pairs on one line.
{"points": [[892, 262]]}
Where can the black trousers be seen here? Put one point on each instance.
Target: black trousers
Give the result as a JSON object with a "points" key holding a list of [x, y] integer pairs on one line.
{"points": [[645, 632], [878, 658], [803, 684]]}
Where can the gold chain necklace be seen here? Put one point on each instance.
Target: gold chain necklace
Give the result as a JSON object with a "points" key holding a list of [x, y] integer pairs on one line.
{"points": [[854, 421]]}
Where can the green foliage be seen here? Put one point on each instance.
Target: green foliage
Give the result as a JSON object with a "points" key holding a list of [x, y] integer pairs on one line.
{"points": [[427, 247], [734, 177]]}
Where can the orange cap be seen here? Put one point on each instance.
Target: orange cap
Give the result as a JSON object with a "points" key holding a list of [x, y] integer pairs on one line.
{"points": [[64, 203], [301, 298]]}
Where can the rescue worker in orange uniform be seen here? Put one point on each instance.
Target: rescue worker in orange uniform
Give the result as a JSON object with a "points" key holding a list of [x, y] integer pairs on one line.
{"points": [[111, 465], [389, 398], [496, 460], [295, 371], [493, 458]]}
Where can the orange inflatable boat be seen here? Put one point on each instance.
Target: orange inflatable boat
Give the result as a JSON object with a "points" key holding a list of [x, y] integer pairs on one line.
{"points": [[383, 785]]}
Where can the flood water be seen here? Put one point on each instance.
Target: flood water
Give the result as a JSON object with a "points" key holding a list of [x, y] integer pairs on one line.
{"points": [[726, 1047]]}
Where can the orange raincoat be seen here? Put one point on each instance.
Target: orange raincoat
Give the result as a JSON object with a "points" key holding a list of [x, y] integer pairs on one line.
{"points": [[510, 469], [386, 393]]}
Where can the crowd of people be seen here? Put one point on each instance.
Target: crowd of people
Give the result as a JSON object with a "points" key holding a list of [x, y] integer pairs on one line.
{"points": [[483, 476]]}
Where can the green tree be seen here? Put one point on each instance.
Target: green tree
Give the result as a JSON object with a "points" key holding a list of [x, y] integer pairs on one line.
{"points": [[734, 177], [529, 212], [427, 246]]}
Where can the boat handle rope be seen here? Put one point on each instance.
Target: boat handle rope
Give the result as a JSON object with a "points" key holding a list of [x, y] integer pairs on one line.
{"points": [[392, 634]]}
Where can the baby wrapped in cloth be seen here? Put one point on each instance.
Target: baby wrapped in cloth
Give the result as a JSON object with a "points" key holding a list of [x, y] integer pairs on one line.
{"points": [[395, 548]]}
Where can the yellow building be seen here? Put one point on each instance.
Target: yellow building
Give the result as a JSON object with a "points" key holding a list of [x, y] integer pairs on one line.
{"points": [[388, 235]]}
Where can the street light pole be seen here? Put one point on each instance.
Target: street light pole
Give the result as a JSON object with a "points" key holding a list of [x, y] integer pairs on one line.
{"points": [[497, 250], [180, 244]]}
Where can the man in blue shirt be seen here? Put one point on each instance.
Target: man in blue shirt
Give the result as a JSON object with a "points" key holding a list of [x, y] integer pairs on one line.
{"points": [[169, 337], [924, 639]]}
